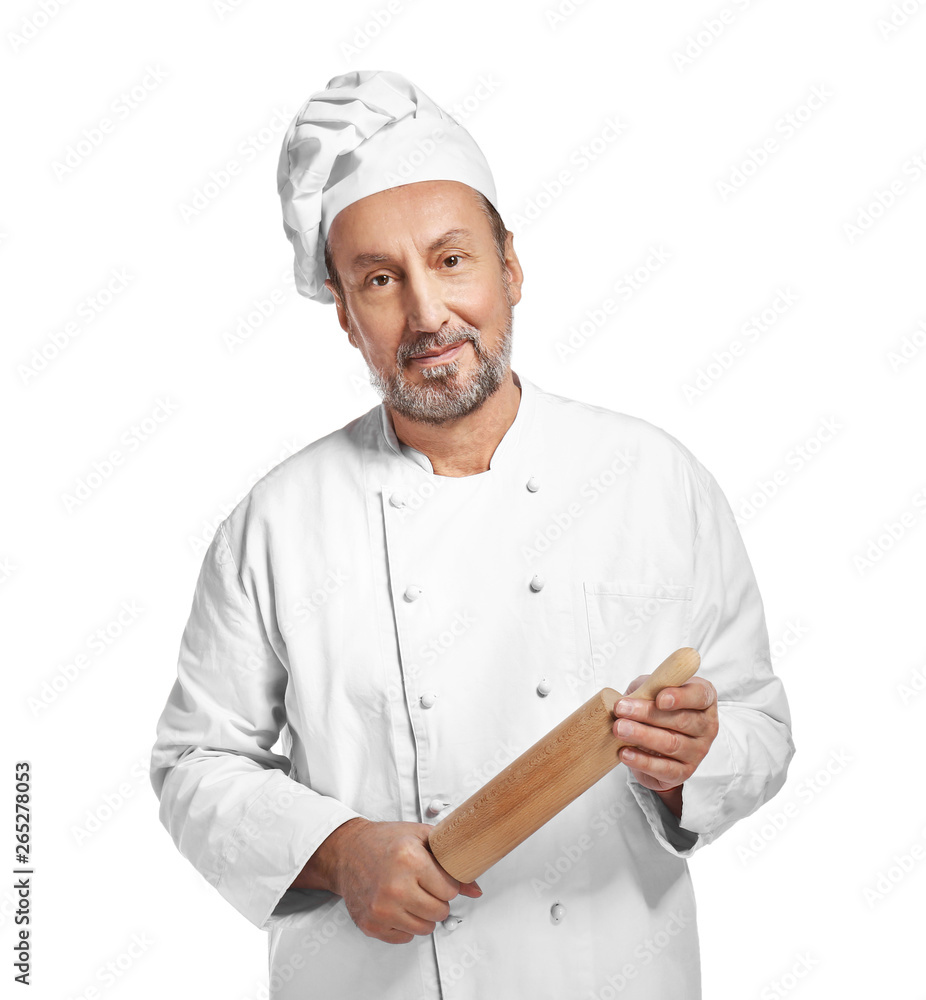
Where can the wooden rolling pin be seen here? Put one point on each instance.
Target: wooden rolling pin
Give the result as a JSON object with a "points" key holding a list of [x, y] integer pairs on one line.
{"points": [[531, 790]]}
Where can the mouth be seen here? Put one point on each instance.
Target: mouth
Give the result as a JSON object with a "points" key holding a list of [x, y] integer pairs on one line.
{"points": [[438, 355]]}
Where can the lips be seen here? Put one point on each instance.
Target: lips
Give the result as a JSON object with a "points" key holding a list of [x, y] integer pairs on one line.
{"points": [[438, 352]]}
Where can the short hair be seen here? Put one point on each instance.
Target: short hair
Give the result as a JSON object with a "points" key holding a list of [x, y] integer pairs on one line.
{"points": [[499, 236]]}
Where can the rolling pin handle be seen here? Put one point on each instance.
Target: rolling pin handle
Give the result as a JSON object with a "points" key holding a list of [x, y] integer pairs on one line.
{"points": [[674, 670]]}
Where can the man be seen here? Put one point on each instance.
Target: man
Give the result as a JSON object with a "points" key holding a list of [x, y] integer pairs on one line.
{"points": [[414, 599]]}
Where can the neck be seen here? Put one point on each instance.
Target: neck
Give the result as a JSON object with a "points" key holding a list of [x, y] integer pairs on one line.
{"points": [[465, 446]]}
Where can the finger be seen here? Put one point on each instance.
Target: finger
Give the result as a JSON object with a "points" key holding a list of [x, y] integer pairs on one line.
{"points": [[662, 769], [435, 881], [415, 924], [635, 683], [425, 905], [394, 936], [470, 889], [697, 694], [689, 723], [666, 742]]}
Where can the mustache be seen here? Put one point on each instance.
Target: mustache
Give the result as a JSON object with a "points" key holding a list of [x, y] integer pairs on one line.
{"points": [[443, 338]]}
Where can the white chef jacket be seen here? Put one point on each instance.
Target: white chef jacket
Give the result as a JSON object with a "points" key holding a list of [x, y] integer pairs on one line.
{"points": [[408, 635]]}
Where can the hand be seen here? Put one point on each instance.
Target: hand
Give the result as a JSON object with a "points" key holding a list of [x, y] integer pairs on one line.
{"points": [[392, 885], [670, 736]]}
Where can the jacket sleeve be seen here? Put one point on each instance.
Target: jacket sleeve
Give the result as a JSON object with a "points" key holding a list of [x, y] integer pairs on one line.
{"points": [[226, 799], [748, 761]]}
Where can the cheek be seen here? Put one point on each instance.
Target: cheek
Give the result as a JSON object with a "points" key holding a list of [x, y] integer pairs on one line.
{"points": [[485, 306]]}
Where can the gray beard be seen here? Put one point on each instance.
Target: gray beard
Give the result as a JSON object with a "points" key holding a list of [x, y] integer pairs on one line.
{"points": [[445, 395]]}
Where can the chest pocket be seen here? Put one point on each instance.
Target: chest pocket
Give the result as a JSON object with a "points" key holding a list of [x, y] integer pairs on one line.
{"points": [[633, 627]]}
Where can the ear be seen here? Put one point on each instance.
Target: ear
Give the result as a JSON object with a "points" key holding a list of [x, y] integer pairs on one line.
{"points": [[343, 318], [513, 269]]}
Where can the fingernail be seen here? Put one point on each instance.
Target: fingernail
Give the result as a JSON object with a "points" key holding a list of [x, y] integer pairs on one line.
{"points": [[624, 707]]}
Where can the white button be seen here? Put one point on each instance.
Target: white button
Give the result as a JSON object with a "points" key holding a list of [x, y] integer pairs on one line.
{"points": [[544, 688], [533, 485], [452, 922], [537, 583], [427, 700], [398, 500], [412, 593], [557, 912], [436, 805]]}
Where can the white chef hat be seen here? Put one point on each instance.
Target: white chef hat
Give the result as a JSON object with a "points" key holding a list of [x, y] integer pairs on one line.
{"points": [[369, 130]]}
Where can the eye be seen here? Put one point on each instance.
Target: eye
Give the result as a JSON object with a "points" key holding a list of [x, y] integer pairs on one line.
{"points": [[375, 279], [453, 257]]}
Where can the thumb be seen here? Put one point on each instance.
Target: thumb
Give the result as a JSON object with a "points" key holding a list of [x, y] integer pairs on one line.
{"points": [[470, 889]]}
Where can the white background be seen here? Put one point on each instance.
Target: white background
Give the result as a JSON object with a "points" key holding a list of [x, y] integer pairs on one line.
{"points": [[814, 429]]}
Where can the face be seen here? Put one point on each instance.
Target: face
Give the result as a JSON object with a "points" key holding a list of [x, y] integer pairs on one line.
{"points": [[426, 299]]}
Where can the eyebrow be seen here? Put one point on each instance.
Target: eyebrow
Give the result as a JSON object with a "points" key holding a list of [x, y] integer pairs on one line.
{"points": [[362, 260]]}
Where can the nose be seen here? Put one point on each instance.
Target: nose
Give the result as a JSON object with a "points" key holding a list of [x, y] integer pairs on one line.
{"points": [[425, 307]]}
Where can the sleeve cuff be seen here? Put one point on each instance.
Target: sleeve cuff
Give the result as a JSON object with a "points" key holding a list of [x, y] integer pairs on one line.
{"points": [[668, 830], [268, 849]]}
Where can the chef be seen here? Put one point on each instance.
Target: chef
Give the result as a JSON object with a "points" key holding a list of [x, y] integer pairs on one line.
{"points": [[394, 613]]}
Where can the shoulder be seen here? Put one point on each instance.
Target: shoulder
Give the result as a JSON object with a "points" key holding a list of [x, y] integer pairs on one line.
{"points": [[303, 477], [577, 417]]}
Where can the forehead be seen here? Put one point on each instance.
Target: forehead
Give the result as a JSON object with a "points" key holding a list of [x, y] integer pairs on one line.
{"points": [[411, 217]]}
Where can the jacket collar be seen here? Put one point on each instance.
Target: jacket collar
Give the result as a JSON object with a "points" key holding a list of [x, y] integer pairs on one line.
{"points": [[504, 452]]}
